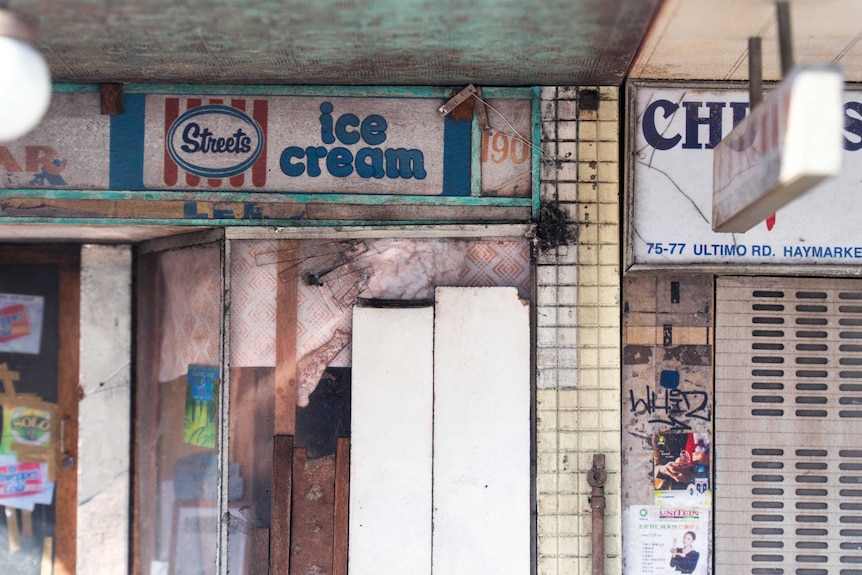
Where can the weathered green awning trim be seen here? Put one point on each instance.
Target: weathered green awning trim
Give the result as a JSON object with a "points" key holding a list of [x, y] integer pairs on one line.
{"points": [[229, 222], [277, 90], [262, 197]]}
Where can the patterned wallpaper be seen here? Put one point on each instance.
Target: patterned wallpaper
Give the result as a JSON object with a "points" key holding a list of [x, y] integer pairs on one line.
{"points": [[374, 269], [191, 309]]}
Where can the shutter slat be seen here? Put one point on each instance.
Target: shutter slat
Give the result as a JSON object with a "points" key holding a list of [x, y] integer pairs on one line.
{"points": [[788, 402]]}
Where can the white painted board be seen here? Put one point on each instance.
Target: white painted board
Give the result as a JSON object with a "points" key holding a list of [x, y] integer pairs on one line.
{"points": [[675, 132], [481, 432], [390, 452]]}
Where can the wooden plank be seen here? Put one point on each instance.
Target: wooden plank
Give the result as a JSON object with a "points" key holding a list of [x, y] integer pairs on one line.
{"points": [[111, 99], [66, 496], [26, 523], [12, 530], [138, 209], [656, 335], [242, 425], [387, 213], [259, 551], [342, 503], [311, 544], [251, 435], [47, 556], [263, 416], [146, 414], [282, 495], [285, 341], [391, 443], [481, 432]]}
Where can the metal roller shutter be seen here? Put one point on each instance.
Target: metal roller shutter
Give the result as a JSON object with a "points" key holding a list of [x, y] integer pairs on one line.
{"points": [[788, 405]]}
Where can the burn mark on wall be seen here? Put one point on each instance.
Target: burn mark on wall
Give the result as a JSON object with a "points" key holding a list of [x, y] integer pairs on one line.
{"points": [[327, 415], [553, 228]]}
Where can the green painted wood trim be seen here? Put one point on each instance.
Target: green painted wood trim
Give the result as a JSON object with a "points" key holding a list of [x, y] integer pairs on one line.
{"points": [[236, 222], [537, 150], [74, 88], [475, 156], [261, 197], [279, 90]]}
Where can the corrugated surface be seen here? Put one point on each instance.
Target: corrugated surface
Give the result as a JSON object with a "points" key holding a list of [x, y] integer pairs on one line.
{"points": [[788, 401]]}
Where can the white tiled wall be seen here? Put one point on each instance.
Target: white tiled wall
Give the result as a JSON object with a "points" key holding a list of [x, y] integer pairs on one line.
{"points": [[578, 331]]}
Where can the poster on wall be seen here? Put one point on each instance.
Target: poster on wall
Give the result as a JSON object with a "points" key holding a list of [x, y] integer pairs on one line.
{"points": [[26, 427], [21, 479], [24, 484], [201, 405], [682, 466], [666, 541], [21, 323], [675, 132]]}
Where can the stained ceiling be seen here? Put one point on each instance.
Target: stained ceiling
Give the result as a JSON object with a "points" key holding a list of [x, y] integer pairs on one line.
{"points": [[347, 42], [708, 39]]}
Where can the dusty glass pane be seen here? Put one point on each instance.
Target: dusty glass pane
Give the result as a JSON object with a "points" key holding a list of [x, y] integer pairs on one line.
{"points": [[29, 309], [179, 335]]}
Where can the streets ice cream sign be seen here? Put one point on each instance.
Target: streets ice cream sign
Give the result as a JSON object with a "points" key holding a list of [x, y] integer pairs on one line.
{"points": [[274, 144], [214, 141], [321, 144]]}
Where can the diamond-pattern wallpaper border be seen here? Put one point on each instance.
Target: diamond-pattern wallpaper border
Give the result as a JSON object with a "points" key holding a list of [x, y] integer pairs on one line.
{"points": [[398, 269], [191, 309]]}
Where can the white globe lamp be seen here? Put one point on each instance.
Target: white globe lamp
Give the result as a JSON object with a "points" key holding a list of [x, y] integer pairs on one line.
{"points": [[25, 81]]}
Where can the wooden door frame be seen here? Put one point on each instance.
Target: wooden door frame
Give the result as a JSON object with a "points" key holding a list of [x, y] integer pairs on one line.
{"points": [[68, 259]]}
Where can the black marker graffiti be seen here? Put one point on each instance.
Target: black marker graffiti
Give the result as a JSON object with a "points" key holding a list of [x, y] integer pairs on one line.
{"points": [[673, 407]]}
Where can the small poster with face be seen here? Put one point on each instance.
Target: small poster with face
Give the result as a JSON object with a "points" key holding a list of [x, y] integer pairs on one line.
{"points": [[682, 469], [665, 541]]}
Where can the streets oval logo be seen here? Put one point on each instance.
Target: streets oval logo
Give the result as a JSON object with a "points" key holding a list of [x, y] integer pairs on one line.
{"points": [[214, 141]]}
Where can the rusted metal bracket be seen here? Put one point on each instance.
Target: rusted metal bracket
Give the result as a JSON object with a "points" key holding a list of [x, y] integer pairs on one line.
{"points": [[482, 111], [785, 37], [111, 99], [455, 100], [597, 477], [755, 72], [470, 91], [785, 52]]}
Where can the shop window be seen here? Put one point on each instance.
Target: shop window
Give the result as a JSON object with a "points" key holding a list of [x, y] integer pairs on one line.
{"points": [[291, 473], [39, 314], [788, 461], [179, 315]]}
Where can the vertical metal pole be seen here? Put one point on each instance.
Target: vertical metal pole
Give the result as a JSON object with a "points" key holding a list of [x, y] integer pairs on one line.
{"points": [[755, 72], [596, 478], [785, 37]]}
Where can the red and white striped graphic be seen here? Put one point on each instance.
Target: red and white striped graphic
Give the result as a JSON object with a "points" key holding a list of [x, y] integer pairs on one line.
{"points": [[260, 114]]}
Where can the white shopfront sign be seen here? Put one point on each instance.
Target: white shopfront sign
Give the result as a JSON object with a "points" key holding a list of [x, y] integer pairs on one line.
{"points": [[674, 133]]}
